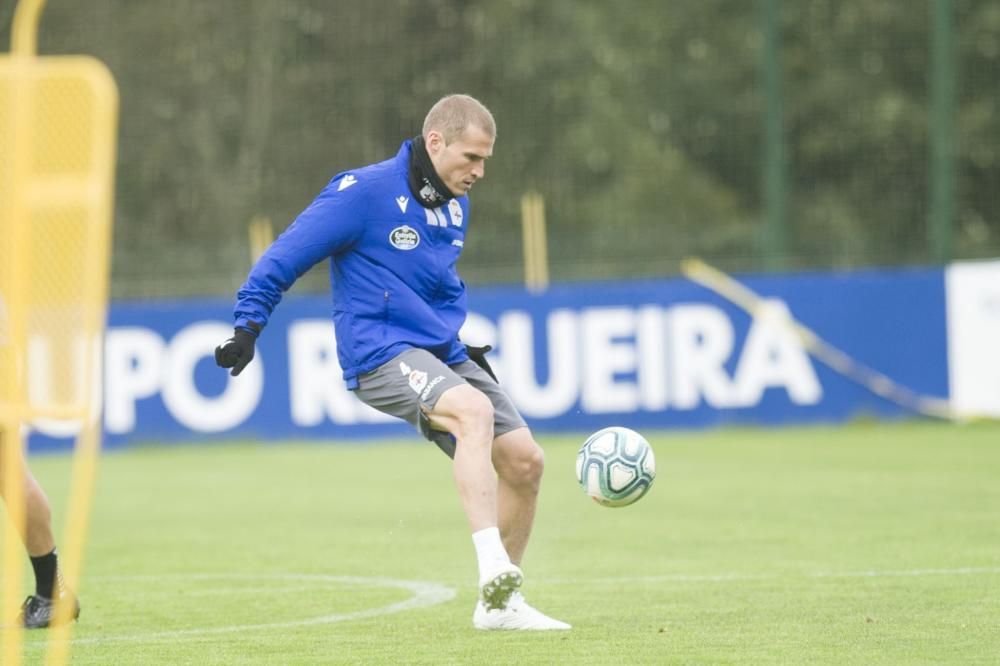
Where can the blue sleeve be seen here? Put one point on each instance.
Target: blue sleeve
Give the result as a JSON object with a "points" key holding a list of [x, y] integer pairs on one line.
{"points": [[331, 224]]}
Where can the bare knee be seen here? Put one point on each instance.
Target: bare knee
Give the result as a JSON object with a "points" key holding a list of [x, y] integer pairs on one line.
{"points": [[475, 416], [466, 412], [533, 466], [524, 466], [35, 496]]}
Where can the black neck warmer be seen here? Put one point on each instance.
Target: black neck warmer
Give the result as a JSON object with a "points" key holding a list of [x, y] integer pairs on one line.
{"points": [[425, 184]]}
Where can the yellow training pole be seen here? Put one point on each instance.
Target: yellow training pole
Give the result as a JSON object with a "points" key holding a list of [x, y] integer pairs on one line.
{"points": [[837, 360], [24, 33], [23, 47], [56, 218], [13, 533], [536, 253], [85, 458], [261, 236]]}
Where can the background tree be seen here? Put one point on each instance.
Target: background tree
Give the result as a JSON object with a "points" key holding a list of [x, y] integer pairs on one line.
{"points": [[640, 122]]}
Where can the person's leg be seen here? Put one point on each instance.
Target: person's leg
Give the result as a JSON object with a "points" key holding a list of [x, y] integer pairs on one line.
{"points": [[41, 547], [517, 460], [38, 538], [519, 463], [416, 383], [468, 415]]}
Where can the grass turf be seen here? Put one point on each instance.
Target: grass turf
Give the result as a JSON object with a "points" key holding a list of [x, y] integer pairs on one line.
{"points": [[867, 544]]}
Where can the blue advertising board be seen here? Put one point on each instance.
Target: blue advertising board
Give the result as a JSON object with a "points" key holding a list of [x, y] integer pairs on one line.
{"points": [[647, 354]]}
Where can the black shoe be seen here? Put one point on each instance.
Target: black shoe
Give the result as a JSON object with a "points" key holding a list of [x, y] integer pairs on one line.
{"points": [[37, 612]]}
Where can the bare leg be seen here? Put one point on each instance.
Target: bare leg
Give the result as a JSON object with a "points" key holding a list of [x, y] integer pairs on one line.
{"points": [[519, 462], [38, 538], [467, 414]]}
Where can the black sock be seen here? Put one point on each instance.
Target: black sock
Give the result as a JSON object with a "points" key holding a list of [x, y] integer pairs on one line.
{"points": [[45, 574]]}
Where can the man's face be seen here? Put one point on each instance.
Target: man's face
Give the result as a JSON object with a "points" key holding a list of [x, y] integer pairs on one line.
{"points": [[463, 161]]}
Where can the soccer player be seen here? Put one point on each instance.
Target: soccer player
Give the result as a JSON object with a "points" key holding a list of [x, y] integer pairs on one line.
{"points": [[393, 232], [37, 610]]}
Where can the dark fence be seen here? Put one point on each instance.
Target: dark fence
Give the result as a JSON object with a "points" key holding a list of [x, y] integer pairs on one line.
{"points": [[757, 135]]}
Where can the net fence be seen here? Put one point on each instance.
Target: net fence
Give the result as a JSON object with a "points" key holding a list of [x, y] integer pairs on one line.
{"points": [[56, 122], [763, 135]]}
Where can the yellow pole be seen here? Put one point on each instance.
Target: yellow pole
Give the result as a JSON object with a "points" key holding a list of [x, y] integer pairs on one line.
{"points": [[745, 298], [536, 255], [24, 33], [23, 44], [527, 248], [88, 446], [85, 458], [94, 192], [13, 389], [13, 550], [261, 236], [86, 453]]}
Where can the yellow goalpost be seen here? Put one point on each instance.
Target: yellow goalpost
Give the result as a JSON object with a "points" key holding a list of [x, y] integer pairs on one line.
{"points": [[58, 120]]}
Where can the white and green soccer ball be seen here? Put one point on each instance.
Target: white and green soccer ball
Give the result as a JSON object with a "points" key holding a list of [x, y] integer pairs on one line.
{"points": [[615, 466]]}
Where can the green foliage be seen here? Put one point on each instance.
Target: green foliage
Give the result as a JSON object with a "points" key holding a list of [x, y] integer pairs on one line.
{"points": [[862, 545], [640, 122]]}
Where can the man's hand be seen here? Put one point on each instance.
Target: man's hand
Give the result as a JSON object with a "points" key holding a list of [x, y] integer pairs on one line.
{"points": [[478, 356], [237, 351]]}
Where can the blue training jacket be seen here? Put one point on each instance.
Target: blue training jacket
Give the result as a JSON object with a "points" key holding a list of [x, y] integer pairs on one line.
{"points": [[392, 267]]}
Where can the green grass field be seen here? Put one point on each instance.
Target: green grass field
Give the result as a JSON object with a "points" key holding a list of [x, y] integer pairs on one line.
{"points": [[873, 544]]}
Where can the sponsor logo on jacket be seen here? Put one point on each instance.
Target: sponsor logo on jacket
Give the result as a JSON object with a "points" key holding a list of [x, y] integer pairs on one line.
{"points": [[404, 238]]}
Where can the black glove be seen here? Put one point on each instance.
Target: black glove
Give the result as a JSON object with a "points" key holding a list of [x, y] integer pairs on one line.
{"points": [[237, 351], [478, 356]]}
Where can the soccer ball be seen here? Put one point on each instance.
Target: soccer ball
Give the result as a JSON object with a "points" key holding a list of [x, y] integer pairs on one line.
{"points": [[615, 466]]}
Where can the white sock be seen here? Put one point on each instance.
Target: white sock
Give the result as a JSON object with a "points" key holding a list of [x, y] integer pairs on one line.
{"points": [[489, 549]]}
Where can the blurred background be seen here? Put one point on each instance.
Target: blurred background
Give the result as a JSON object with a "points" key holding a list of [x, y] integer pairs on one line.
{"points": [[842, 157], [763, 136]]}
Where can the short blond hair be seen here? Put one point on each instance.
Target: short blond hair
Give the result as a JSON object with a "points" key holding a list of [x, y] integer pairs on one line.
{"points": [[453, 114]]}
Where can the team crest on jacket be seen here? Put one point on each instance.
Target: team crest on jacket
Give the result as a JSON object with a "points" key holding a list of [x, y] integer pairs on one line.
{"points": [[404, 238], [455, 209]]}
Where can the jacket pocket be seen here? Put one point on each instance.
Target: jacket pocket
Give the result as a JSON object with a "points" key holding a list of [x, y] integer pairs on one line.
{"points": [[386, 315]]}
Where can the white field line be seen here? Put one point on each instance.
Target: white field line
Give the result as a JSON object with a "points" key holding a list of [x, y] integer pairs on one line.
{"points": [[425, 594], [736, 577]]}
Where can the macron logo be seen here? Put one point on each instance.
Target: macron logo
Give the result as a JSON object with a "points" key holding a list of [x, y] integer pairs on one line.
{"points": [[402, 201], [347, 181]]}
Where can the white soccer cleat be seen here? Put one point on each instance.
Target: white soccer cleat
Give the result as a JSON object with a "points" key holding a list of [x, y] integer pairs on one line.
{"points": [[517, 616], [497, 586]]}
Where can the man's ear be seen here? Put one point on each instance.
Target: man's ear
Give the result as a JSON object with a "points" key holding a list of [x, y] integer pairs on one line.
{"points": [[434, 142]]}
